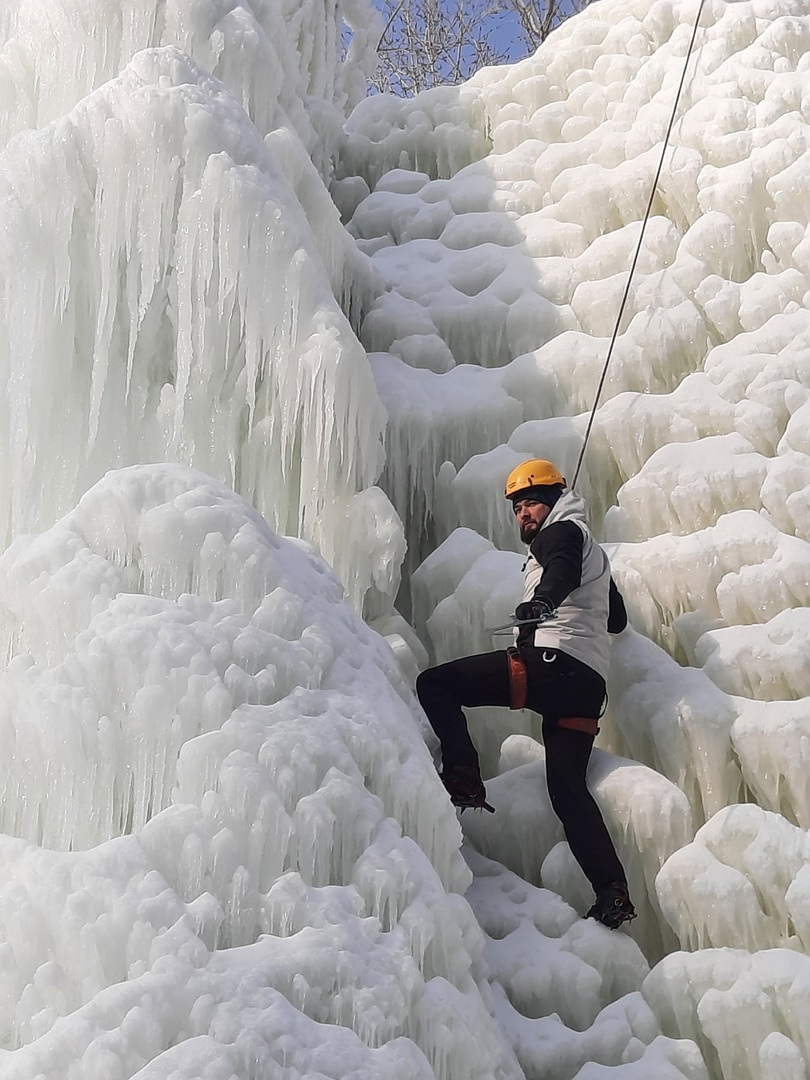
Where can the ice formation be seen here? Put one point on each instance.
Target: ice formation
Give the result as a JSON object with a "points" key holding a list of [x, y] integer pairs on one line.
{"points": [[239, 299], [231, 760], [554, 973], [162, 331], [697, 467]]}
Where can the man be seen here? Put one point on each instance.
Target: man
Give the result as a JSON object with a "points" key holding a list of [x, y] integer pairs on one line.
{"points": [[558, 668]]}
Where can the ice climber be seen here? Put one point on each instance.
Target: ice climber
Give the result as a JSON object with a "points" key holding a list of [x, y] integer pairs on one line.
{"points": [[557, 667]]}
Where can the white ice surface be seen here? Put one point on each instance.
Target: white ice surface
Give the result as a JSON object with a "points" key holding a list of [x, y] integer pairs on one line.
{"points": [[224, 848], [772, 741], [566, 990], [743, 882], [746, 1012], [206, 691], [283, 66], [186, 354], [697, 467], [647, 816]]}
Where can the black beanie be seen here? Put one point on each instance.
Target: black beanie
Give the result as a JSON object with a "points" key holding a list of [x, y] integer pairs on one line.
{"points": [[544, 493]]}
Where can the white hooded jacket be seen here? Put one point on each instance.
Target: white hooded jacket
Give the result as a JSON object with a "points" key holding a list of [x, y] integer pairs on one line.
{"points": [[580, 625]]}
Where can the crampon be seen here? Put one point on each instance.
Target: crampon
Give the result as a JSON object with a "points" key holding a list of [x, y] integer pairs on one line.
{"points": [[613, 906], [466, 788]]}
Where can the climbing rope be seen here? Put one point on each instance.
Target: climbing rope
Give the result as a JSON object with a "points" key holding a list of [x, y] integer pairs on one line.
{"points": [[646, 218]]}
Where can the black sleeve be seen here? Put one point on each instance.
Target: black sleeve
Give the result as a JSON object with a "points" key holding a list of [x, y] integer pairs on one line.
{"points": [[617, 613], [558, 549]]}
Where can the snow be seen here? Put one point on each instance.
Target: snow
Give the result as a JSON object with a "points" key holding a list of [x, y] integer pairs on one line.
{"points": [[268, 348]]}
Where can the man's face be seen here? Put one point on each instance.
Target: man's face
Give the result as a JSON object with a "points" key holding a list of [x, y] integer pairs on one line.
{"points": [[530, 515]]}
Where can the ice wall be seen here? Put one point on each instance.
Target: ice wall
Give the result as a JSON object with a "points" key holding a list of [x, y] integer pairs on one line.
{"points": [[536, 235], [284, 65], [205, 690], [506, 246], [173, 303], [745, 1011], [245, 863], [554, 973]]}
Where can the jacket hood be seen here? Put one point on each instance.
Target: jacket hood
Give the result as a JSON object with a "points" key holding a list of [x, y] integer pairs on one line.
{"points": [[569, 507]]}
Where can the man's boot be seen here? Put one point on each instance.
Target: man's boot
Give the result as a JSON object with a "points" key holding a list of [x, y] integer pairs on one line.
{"points": [[613, 907], [466, 788]]}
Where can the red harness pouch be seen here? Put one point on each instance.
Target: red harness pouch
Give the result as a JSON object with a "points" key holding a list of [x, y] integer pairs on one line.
{"points": [[518, 683]]}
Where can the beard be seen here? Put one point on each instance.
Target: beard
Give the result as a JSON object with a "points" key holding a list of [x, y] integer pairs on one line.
{"points": [[528, 531]]}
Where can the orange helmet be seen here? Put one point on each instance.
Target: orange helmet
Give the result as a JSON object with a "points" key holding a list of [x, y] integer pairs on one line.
{"points": [[531, 474]]}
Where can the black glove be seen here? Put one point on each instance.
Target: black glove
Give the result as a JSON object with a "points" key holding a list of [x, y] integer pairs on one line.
{"points": [[538, 610]]}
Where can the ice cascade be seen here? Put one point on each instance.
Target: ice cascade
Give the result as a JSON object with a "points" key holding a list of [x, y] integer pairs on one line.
{"points": [[206, 691], [225, 851], [142, 318]]}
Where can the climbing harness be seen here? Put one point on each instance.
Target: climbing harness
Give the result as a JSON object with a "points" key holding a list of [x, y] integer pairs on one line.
{"points": [[519, 693], [647, 212], [518, 680], [579, 723]]}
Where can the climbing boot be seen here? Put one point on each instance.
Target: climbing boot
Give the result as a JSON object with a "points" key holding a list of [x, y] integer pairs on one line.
{"points": [[613, 907], [466, 788]]}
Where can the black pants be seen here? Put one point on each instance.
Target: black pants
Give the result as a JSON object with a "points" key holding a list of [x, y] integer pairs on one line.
{"points": [[558, 685]]}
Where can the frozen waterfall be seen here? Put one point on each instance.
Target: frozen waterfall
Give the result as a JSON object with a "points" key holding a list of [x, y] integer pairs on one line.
{"points": [[268, 348]]}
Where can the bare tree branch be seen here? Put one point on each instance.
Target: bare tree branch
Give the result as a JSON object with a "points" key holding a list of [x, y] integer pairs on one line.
{"points": [[428, 43], [537, 18], [434, 42]]}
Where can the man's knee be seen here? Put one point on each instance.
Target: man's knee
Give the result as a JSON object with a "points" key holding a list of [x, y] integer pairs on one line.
{"points": [[567, 793]]}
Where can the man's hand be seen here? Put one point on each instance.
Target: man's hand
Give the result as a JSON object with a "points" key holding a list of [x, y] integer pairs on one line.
{"points": [[534, 610]]}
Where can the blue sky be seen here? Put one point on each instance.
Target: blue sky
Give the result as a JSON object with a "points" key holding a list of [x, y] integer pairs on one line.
{"points": [[505, 34]]}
